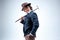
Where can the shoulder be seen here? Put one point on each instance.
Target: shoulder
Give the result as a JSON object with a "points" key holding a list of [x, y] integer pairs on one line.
{"points": [[25, 15], [33, 14]]}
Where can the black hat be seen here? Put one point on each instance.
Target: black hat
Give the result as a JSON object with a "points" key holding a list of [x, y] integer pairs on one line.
{"points": [[25, 5]]}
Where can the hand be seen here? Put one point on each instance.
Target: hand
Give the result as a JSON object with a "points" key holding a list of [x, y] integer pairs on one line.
{"points": [[22, 18]]}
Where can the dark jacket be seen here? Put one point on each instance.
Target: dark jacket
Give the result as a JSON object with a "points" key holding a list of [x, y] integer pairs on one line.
{"points": [[30, 23]]}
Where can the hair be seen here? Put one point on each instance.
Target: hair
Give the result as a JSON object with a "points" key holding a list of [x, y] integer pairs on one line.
{"points": [[30, 7]]}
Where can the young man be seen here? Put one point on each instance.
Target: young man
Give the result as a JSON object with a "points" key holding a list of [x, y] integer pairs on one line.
{"points": [[30, 22]]}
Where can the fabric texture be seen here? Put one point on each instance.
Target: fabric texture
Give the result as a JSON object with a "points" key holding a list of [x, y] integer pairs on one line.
{"points": [[30, 23]]}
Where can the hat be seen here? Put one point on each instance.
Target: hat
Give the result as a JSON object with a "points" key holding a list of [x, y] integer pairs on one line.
{"points": [[25, 5]]}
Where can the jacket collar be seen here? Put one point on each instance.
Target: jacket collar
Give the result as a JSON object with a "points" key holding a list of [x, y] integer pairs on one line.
{"points": [[29, 11]]}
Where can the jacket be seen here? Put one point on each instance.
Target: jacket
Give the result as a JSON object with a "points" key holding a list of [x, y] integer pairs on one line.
{"points": [[30, 23]]}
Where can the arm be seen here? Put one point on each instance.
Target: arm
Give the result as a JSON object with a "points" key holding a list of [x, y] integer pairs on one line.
{"points": [[34, 19], [22, 20]]}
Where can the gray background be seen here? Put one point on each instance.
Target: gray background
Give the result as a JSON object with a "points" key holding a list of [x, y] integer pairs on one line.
{"points": [[48, 14]]}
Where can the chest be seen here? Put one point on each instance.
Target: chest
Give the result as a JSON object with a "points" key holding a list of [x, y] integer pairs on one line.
{"points": [[27, 18]]}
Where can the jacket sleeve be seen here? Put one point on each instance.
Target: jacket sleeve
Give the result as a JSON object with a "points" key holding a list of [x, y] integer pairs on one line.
{"points": [[35, 21], [22, 21]]}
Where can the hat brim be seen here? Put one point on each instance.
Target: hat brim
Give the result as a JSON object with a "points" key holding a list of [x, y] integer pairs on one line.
{"points": [[26, 5]]}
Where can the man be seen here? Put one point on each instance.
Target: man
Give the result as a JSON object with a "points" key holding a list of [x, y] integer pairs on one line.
{"points": [[29, 21]]}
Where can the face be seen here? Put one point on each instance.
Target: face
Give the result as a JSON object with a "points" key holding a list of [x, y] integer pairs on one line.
{"points": [[26, 9]]}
